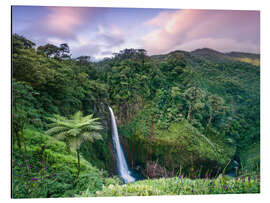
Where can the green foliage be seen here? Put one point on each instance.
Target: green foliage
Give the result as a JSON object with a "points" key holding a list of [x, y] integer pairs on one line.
{"points": [[23, 102], [99, 154], [51, 50], [20, 42], [250, 159], [91, 189], [47, 170], [193, 96], [75, 130], [184, 186], [180, 138], [183, 110]]}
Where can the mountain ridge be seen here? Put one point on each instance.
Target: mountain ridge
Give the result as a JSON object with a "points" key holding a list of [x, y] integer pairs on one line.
{"points": [[214, 56]]}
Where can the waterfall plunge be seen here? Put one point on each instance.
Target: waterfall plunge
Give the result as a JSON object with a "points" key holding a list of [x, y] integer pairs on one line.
{"points": [[122, 166]]}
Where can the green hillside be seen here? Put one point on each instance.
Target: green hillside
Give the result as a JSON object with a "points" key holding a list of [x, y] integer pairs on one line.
{"points": [[192, 114]]}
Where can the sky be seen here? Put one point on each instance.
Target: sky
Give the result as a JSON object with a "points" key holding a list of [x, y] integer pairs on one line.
{"points": [[99, 32]]}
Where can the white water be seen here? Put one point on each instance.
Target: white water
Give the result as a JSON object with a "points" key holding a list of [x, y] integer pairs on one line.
{"points": [[122, 166]]}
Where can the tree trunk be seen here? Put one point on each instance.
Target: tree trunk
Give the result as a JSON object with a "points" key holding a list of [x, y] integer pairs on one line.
{"points": [[18, 140], [151, 138], [79, 167], [22, 134], [68, 146], [189, 112], [208, 124], [209, 121], [133, 152]]}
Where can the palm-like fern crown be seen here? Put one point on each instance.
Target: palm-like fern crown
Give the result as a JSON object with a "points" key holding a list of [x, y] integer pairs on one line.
{"points": [[75, 130]]}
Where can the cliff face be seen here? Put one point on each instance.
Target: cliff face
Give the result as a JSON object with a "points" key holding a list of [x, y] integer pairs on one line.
{"points": [[181, 147]]}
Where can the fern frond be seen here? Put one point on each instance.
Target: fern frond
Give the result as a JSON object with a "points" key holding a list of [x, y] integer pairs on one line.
{"points": [[61, 136], [77, 129], [86, 136], [56, 130], [74, 132], [97, 136], [91, 136], [92, 127], [77, 116]]}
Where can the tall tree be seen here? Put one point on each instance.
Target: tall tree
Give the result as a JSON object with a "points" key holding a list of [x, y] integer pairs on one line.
{"points": [[23, 102], [20, 42], [216, 106], [193, 96], [53, 51]]}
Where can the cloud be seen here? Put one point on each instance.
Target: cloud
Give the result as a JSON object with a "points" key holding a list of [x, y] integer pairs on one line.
{"points": [[111, 37], [96, 44], [159, 20], [62, 22], [59, 22], [85, 29], [190, 26], [85, 50]]}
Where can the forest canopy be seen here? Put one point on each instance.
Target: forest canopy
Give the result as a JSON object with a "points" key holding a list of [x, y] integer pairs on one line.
{"points": [[196, 109]]}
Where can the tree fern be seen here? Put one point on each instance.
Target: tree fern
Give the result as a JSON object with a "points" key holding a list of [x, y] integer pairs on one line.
{"points": [[75, 131]]}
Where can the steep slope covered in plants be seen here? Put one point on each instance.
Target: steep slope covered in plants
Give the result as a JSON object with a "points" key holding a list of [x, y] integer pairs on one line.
{"points": [[189, 112]]}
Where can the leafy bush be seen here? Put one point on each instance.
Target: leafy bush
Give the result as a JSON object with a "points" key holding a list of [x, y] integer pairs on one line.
{"points": [[91, 189]]}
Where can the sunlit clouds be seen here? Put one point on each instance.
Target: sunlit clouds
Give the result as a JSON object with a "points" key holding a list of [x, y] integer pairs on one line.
{"points": [[99, 32], [63, 21], [191, 29]]}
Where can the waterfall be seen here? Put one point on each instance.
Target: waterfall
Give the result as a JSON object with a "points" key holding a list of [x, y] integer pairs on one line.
{"points": [[122, 166]]}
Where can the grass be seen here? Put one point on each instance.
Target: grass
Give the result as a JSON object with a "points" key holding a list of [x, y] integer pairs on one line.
{"points": [[184, 186]]}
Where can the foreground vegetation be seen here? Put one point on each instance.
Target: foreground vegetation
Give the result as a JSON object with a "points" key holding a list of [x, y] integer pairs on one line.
{"points": [[196, 112], [48, 170], [184, 186]]}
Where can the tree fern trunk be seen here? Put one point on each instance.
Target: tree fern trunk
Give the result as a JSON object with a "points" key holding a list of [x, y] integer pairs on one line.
{"points": [[79, 167]]}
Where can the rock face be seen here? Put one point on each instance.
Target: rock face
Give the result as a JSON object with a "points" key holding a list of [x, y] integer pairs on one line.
{"points": [[180, 148]]}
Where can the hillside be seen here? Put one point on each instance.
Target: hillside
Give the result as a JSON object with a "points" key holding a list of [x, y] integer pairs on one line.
{"points": [[193, 114], [254, 59], [211, 55]]}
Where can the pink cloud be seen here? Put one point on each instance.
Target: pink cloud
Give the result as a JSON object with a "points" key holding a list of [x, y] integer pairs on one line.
{"points": [[184, 26], [63, 19], [63, 22], [159, 20]]}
